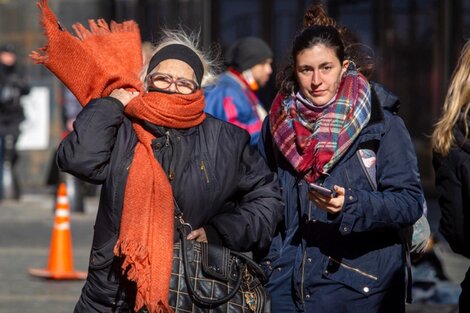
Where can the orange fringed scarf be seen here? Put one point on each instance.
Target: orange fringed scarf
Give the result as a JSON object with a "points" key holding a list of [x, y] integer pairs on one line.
{"points": [[92, 66], [146, 236], [96, 62]]}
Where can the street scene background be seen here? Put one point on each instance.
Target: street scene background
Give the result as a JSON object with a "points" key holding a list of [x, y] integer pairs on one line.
{"points": [[415, 46]]}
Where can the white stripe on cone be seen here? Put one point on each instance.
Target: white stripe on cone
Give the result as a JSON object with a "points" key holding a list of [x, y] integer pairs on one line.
{"points": [[62, 226], [62, 213], [62, 200]]}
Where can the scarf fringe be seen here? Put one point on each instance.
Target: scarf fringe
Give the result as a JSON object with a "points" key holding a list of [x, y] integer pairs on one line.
{"points": [[97, 28], [159, 307], [101, 28], [46, 18], [133, 254], [135, 267]]}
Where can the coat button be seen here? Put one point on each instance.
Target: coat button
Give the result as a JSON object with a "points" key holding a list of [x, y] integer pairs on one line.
{"points": [[279, 269], [171, 175], [345, 228], [326, 272], [366, 289], [307, 296], [158, 145], [309, 260], [351, 198]]}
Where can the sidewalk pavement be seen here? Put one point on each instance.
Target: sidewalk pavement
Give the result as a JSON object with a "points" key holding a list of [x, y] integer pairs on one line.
{"points": [[25, 233]]}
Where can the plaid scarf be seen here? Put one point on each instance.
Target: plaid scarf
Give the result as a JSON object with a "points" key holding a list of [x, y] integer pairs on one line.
{"points": [[100, 60], [312, 138]]}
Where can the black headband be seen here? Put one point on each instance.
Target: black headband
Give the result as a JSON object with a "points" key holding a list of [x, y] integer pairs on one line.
{"points": [[178, 52]]}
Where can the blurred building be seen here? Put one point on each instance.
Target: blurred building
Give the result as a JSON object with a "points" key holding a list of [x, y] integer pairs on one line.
{"points": [[416, 44]]}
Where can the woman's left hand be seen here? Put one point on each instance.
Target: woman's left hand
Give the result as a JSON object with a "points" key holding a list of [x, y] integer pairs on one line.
{"points": [[327, 203], [198, 235]]}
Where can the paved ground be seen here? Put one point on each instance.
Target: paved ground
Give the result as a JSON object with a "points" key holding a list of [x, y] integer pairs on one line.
{"points": [[25, 232]]}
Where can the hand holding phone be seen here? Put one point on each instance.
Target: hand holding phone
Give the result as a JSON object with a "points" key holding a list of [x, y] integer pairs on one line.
{"points": [[322, 190]]}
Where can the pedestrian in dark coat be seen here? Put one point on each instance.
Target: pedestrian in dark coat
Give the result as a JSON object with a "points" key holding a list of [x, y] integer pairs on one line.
{"points": [[451, 161], [341, 251], [13, 85], [149, 143]]}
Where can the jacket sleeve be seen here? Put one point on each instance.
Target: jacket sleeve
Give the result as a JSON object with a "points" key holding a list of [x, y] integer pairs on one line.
{"points": [[398, 201], [453, 187], [214, 101], [231, 104], [251, 222], [86, 151]]}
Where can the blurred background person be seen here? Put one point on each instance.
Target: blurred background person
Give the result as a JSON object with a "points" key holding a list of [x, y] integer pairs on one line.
{"points": [[451, 161], [12, 86], [233, 97], [77, 189]]}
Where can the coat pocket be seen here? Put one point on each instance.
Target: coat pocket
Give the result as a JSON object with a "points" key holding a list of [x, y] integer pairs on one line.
{"points": [[356, 277], [207, 177], [103, 256], [103, 276]]}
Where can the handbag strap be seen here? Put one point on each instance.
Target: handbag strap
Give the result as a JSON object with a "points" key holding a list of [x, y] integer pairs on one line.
{"points": [[183, 228]]}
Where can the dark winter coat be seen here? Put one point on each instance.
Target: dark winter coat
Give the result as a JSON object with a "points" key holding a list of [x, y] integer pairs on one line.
{"points": [[12, 87], [219, 182], [353, 261], [453, 187]]}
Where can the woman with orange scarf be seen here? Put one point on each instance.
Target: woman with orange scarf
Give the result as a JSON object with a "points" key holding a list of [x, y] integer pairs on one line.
{"points": [[151, 149]]}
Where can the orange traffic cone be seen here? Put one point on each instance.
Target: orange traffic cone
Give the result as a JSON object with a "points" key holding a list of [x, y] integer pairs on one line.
{"points": [[60, 265]]}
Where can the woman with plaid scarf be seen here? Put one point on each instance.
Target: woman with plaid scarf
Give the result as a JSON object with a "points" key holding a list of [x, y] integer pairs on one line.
{"points": [[340, 251]]}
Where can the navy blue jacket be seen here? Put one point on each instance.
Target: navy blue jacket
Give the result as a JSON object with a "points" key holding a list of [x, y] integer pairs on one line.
{"points": [[219, 182], [327, 261]]}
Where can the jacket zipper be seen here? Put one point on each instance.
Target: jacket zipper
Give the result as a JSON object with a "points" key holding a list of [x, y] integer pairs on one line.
{"points": [[302, 280], [353, 269], [167, 142], [203, 168]]}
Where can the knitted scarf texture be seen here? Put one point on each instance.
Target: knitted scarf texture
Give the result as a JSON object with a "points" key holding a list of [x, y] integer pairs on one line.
{"points": [[92, 64], [312, 138]]}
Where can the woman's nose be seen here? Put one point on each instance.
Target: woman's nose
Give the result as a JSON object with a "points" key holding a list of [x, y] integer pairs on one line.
{"points": [[316, 80], [172, 87]]}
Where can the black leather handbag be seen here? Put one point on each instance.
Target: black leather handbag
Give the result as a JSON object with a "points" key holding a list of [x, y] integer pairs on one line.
{"points": [[213, 278]]}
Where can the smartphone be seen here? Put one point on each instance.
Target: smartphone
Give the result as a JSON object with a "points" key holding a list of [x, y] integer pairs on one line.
{"points": [[323, 190]]}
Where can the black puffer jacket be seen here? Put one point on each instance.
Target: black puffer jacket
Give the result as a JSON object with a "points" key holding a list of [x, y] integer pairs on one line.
{"points": [[453, 186], [219, 182]]}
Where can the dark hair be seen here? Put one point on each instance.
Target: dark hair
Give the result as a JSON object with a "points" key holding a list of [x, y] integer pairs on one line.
{"points": [[319, 28], [319, 34], [309, 37], [8, 47]]}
